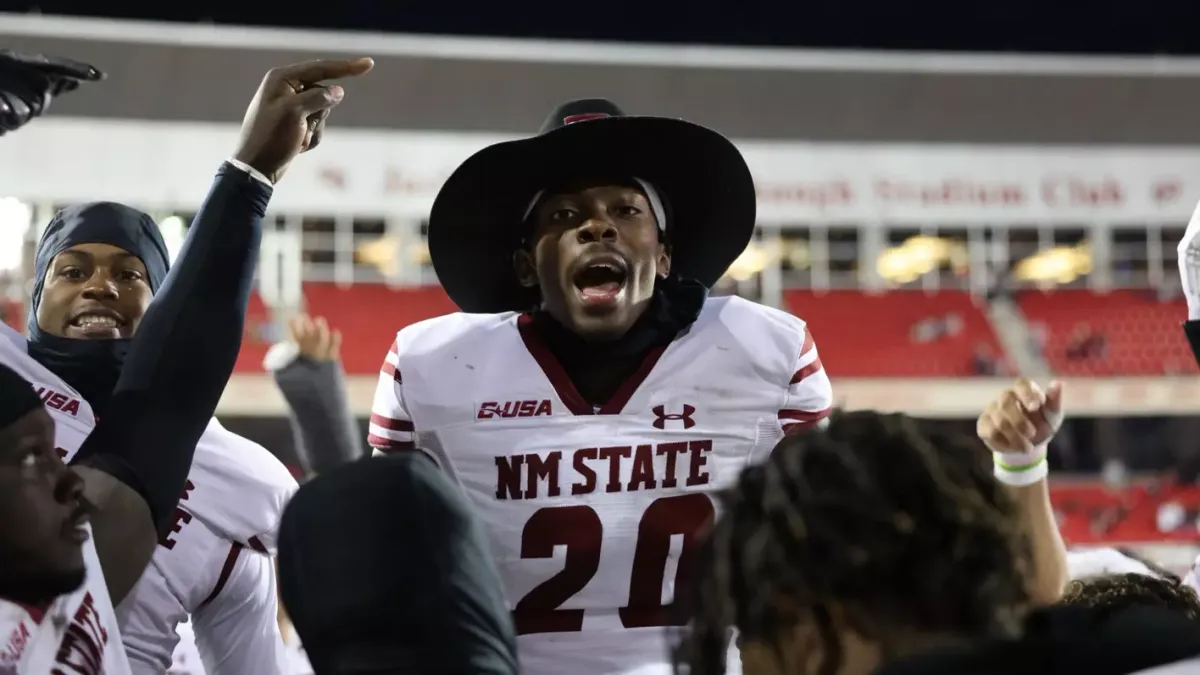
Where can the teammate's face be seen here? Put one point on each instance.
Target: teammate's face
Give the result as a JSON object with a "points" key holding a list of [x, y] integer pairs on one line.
{"points": [[41, 545], [595, 257], [94, 292]]}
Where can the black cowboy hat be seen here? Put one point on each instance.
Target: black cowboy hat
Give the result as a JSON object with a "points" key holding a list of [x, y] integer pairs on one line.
{"points": [[476, 222]]}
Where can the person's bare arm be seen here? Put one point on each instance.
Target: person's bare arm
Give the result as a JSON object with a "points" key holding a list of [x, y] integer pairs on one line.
{"points": [[1017, 428]]}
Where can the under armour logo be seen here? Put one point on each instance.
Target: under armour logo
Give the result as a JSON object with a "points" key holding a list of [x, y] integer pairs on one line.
{"points": [[660, 412]]}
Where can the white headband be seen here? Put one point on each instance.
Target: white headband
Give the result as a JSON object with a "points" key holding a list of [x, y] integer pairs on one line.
{"points": [[656, 207]]}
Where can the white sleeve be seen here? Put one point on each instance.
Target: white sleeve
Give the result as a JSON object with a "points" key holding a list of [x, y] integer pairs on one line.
{"points": [[809, 397], [1192, 578], [1082, 564], [391, 428], [237, 631], [1189, 265]]}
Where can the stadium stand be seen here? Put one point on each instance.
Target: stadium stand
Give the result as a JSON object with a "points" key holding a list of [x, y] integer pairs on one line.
{"points": [[864, 335], [1130, 332]]}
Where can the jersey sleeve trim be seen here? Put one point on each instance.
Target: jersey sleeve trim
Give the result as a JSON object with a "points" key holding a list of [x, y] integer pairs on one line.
{"points": [[391, 428], [390, 435], [389, 365], [809, 397]]}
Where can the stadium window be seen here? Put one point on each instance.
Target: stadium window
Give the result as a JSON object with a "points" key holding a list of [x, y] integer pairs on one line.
{"points": [[318, 247], [1073, 238], [843, 256], [374, 252], [1069, 236], [1170, 238], [955, 268], [797, 257], [1022, 242], [897, 236], [1130, 266]]}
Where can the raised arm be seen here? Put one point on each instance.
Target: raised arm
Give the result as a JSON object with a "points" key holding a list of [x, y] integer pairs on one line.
{"points": [[307, 368], [136, 461], [1017, 427]]}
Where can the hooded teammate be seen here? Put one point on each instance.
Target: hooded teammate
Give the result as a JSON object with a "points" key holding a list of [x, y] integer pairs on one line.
{"points": [[97, 268]]}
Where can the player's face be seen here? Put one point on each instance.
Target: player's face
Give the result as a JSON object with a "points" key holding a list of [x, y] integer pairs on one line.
{"points": [[41, 545], [94, 292], [595, 257]]}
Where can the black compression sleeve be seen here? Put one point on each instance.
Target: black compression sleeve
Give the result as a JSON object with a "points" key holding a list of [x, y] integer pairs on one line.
{"points": [[184, 350], [323, 426]]}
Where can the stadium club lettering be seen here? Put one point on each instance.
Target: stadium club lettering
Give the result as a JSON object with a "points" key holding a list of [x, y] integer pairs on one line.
{"points": [[492, 409], [179, 519], [82, 648], [530, 476], [58, 400], [1054, 191]]}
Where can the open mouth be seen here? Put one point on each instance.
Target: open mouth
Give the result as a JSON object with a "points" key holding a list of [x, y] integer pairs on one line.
{"points": [[601, 280], [98, 322], [76, 528]]}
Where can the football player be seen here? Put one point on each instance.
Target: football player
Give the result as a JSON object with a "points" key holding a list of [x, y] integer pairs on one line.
{"points": [[591, 397]]}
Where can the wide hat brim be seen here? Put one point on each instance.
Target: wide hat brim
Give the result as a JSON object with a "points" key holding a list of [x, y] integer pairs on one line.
{"points": [[475, 225]]}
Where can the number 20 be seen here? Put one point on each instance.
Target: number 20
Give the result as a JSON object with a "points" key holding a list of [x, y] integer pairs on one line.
{"points": [[579, 529]]}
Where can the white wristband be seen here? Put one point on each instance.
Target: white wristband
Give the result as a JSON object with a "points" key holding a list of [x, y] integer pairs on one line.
{"points": [[1019, 469], [254, 173]]}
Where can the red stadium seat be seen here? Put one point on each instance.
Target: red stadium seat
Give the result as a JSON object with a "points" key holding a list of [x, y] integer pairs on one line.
{"points": [[1141, 332], [369, 316], [863, 335], [1090, 513]]}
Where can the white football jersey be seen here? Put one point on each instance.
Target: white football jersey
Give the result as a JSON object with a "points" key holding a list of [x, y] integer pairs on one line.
{"points": [[77, 634], [1083, 563], [215, 563], [594, 515], [1192, 578]]}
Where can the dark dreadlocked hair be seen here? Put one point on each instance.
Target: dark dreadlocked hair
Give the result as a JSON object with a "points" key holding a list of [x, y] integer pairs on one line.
{"points": [[871, 518], [1111, 592]]}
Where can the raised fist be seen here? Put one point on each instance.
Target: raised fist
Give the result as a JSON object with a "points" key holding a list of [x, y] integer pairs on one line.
{"points": [[1022, 417], [287, 115], [28, 82]]}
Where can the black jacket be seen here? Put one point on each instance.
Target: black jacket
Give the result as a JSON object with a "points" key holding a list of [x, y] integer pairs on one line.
{"points": [[1070, 641]]}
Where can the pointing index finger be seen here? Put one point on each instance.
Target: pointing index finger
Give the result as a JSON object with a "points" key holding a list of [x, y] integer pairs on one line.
{"points": [[312, 72]]}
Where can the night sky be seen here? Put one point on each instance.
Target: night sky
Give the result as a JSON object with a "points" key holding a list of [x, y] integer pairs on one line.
{"points": [[1073, 26]]}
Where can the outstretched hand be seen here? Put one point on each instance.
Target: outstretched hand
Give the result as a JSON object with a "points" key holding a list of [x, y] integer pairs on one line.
{"points": [[287, 115], [28, 82], [315, 338]]}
